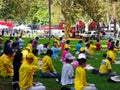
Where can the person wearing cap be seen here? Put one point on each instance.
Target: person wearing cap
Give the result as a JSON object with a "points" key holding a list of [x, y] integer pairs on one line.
{"points": [[67, 76], [80, 82], [26, 76], [106, 68], [6, 69], [56, 40], [92, 48], [48, 69], [65, 51], [25, 52], [82, 53], [78, 46], [30, 45]]}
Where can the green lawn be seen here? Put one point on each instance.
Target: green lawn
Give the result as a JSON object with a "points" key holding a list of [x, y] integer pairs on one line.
{"points": [[50, 83]]}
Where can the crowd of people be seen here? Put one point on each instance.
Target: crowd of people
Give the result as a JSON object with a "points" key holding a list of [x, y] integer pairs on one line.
{"points": [[21, 61]]}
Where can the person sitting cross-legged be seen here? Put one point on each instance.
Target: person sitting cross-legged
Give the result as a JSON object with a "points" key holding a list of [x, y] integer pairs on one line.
{"points": [[67, 76], [26, 75], [105, 67], [80, 82], [48, 69]]}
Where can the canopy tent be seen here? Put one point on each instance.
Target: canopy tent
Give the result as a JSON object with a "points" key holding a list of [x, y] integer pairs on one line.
{"points": [[23, 27], [3, 26], [8, 24]]}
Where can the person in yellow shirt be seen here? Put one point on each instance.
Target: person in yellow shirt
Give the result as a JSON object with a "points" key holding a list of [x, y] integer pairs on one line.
{"points": [[56, 40], [80, 82], [36, 59], [25, 52], [106, 68], [92, 48], [111, 54], [6, 69], [25, 74], [115, 50], [48, 69]]}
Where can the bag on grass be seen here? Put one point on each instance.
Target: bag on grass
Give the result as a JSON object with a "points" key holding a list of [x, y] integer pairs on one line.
{"points": [[95, 71]]}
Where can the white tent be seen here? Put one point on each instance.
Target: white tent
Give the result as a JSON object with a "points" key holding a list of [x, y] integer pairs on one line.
{"points": [[3, 26], [22, 27]]}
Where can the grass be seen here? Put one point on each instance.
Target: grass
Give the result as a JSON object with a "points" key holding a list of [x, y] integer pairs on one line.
{"points": [[50, 83]]}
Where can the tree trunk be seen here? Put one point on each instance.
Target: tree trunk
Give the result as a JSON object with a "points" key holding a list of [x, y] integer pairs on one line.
{"points": [[114, 15]]}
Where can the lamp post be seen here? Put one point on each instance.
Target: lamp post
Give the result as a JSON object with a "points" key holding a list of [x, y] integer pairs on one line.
{"points": [[49, 13]]}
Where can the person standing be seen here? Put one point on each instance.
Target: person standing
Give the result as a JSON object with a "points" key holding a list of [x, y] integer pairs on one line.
{"points": [[17, 61]]}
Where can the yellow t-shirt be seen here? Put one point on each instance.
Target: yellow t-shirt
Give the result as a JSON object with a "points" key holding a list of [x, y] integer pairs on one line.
{"points": [[111, 55], [57, 41], [24, 52], [26, 75], [91, 49], [115, 52], [35, 61], [47, 65], [80, 78], [30, 47], [105, 65], [5, 66]]}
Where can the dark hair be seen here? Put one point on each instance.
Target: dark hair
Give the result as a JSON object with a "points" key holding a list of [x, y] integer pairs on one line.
{"points": [[110, 59], [98, 40], [35, 51], [14, 44], [80, 41], [11, 38], [45, 45], [30, 41], [68, 41], [109, 40], [81, 61], [7, 42], [9, 52], [117, 43], [88, 45], [36, 38], [86, 40], [49, 52], [104, 55], [65, 88], [111, 47]]}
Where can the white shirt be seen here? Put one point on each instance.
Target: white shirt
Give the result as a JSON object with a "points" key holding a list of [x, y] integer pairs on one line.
{"points": [[40, 48], [81, 55], [67, 74]]}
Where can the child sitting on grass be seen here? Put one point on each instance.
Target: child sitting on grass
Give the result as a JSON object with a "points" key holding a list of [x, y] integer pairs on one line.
{"points": [[80, 82], [68, 70]]}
